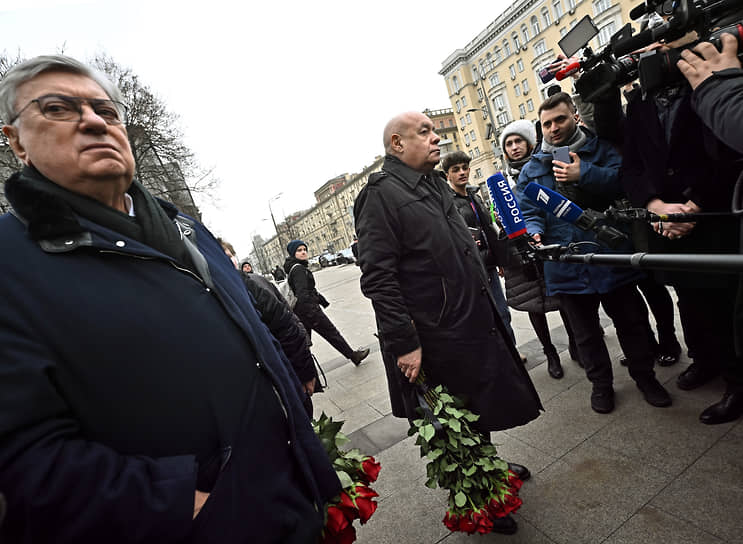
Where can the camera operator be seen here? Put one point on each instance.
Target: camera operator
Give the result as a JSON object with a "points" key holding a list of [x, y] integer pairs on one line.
{"points": [[673, 163], [717, 80]]}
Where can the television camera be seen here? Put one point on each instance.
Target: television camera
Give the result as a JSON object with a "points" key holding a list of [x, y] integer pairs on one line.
{"points": [[620, 62]]}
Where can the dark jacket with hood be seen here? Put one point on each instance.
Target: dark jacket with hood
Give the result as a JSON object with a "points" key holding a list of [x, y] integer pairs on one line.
{"points": [[128, 380], [421, 270], [302, 282]]}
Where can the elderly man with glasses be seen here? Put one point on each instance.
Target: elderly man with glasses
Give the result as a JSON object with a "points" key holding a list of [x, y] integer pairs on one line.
{"points": [[141, 399]]}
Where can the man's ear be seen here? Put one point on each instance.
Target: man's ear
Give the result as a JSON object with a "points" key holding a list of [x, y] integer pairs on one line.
{"points": [[396, 141], [11, 133]]}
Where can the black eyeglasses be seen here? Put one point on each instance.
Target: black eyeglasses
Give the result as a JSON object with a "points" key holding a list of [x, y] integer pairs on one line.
{"points": [[58, 107]]}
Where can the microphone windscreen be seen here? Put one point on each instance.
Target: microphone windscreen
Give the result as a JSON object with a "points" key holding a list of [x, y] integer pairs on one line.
{"points": [[553, 202], [506, 205]]}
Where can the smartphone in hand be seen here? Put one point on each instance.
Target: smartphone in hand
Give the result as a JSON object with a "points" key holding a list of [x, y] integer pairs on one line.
{"points": [[562, 154]]}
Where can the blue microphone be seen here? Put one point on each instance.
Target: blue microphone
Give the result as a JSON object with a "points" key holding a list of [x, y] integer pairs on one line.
{"points": [[567, 210], [506, 205]]}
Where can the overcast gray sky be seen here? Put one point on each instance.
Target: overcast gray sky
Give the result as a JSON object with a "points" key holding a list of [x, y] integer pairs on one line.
{"points": [[278, 96]]}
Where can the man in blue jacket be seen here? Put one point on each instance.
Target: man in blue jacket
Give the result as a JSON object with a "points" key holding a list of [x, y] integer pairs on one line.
{"points": [[141, 398], [592, 181]]}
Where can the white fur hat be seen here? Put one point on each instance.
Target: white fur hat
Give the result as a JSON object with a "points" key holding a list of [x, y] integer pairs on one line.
{"points": [[523, 128]]}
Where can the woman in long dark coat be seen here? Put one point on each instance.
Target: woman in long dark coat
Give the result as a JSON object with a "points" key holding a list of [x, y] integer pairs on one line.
{"points": [[308, 310]]}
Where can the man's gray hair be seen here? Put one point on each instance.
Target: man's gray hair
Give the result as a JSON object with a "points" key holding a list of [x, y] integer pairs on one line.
{"points": [[29, 69]]}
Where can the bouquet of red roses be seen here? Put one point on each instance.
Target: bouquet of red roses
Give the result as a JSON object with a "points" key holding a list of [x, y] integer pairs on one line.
{"points": [[356, 472], [464, 461]]}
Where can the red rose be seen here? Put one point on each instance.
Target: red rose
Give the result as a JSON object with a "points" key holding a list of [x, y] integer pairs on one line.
{"points": [[514, 481], [451, 521], [512, 502], [347, 506], [337, 521], [366, 508], [467, 525], [366, 492], [371, 469], [346, 536], [495, 509], [484, 524]]}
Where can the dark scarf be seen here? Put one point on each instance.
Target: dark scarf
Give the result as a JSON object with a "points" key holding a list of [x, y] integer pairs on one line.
{"points": [[151, 226]]}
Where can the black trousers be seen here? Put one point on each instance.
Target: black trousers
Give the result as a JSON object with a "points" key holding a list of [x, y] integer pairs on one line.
{"points": [[707, 321], [628, 312], [661, 304], [541, 328], [314, 319]]}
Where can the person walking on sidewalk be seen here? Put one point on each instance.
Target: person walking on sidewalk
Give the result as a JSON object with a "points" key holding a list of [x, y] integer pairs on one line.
{"points": [[517, 142], [430, 292], [308, 310]]}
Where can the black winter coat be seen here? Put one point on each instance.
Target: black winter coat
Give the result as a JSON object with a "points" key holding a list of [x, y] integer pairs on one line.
{"points": [[421, 270], [120, 371], [283, 324], [302, 282], [693, 166], [719, 103]]}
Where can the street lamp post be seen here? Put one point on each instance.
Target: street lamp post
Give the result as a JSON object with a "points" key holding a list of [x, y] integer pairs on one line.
{"points": [[278, 234], [489, 113]]}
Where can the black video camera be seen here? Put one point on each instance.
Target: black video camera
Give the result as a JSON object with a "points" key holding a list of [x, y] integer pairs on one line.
{"points": [[618, 63]]}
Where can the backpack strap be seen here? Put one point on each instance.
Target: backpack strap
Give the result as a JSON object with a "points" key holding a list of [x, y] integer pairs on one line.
{"points": [[289, 275]]}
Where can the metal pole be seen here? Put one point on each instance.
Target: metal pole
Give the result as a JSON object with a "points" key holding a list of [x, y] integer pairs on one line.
{"points": [[723, 263]]}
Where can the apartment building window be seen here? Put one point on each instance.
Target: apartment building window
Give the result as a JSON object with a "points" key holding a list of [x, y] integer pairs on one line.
{"points": [[469, 119], [476, 152], [516, 42], [497, 52], [557, 5], [525, 85], [530, 105], [517, 89], [512, 70], [522, 110], [473, 137], [524, 33], [535, 25], [546, 17], [506, 48], [472, 156], [455, 83], [475, 73], [498, 102], [466, 139], [478, 172], [480, 94], [600, 6], [461, 122], [459, 106], [490, 62], [464, 102], [571, 4], [494, 79], [451, 124], [502, 118], [540, 48], [441, 124], [520, 65], [483, 69], [606, 32]]}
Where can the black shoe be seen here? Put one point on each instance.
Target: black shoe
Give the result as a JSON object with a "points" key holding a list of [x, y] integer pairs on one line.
{"points": [[602, 399], [520, 471], [554, 368], [505, 526], [729, 408], [668, 356], [696, 375], [358, 356], [654, 393]]}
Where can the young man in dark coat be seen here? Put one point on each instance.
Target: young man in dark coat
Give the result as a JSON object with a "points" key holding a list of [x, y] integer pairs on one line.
{"points": [[592, 179], [141, 398], [430, 292]]}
